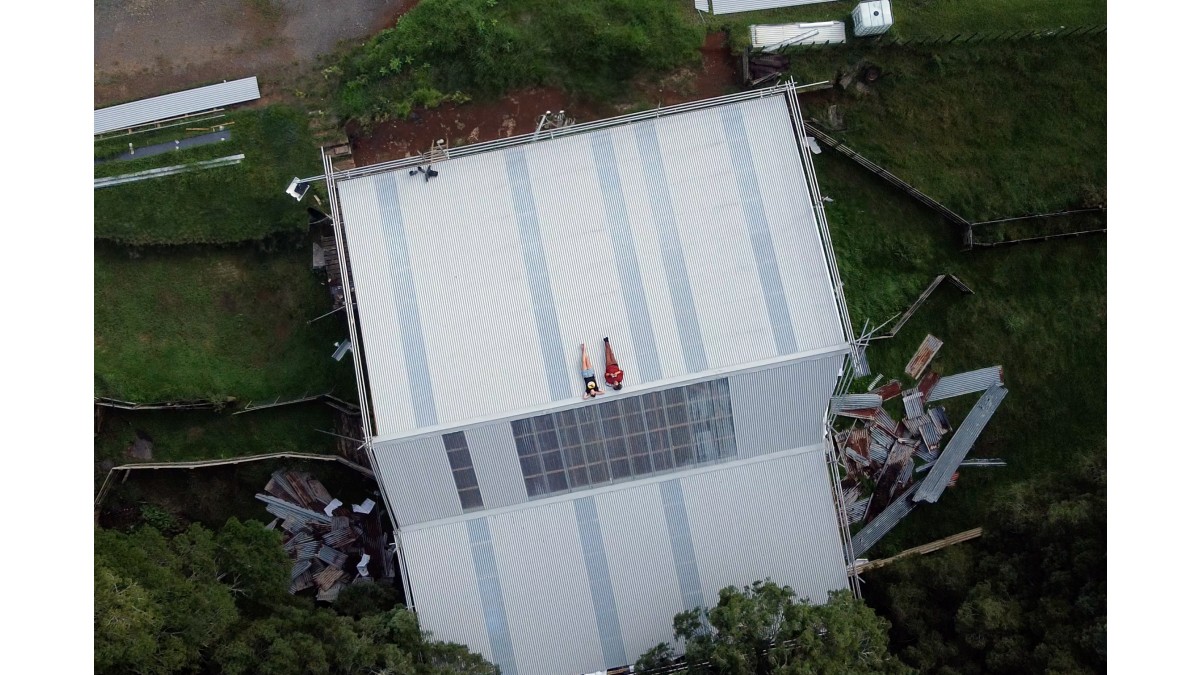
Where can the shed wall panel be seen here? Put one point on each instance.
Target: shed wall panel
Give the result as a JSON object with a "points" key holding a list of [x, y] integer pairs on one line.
{"points": [[494, 455], [781, 408], [416, 477]]}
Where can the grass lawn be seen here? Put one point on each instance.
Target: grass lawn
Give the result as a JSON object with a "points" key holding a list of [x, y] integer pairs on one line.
{"points": [[930, 17], [451, 49], [215, 206], [198, 435], [213, 324], [1039, 310], [990, 130]]}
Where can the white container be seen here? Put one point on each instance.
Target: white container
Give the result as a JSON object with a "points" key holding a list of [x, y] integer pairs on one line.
{"points": [[872, 18]]}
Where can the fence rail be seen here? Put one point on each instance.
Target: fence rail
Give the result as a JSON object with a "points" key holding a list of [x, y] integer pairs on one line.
{"points": [[962, 38]]}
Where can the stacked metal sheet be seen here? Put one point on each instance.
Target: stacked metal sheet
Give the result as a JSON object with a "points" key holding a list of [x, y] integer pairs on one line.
{"points": [[884, 522], [840, 404], [966, 383], [961, 443]]}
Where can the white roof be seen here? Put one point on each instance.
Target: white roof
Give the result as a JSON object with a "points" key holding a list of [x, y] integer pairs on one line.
{"points": [[688, 239], [606, 572]]}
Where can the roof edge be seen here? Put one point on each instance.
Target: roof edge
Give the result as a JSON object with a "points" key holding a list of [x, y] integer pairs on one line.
{"points": [[628, 390]]}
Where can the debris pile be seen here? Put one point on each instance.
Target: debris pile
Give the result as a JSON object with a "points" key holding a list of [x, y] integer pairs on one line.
{"points": [[890, 465], [331, 544]]}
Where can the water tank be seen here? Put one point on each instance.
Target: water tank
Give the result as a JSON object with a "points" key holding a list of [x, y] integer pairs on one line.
{"points": [[872, 18]]}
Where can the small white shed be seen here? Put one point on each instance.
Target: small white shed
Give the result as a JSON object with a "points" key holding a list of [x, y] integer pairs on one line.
{"points": [[872, 18]]}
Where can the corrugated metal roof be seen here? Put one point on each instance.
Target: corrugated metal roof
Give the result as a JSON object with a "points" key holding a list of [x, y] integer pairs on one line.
{"points": [[966, 383], [883, 523], [854, 402], [960, 443], [134, 113], [912, 403], [533, 245], [732, 6], [772, 37], [771, 516]]}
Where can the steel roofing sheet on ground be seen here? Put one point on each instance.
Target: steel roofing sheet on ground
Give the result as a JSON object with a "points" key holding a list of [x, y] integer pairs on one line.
{"points": [[732, 6], [883, 523], [663, 543], [771, 37], [960, 443], [966, 383], [135, 113], [614, 232]]}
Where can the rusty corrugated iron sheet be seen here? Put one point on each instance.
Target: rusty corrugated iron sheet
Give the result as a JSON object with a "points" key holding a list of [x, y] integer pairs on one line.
{"points": [[925, 353], [927, 384], [888, 391]]}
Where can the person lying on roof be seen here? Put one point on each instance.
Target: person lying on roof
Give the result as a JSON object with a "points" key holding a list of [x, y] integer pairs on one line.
{"points": [[613, 375], [590, 388]]}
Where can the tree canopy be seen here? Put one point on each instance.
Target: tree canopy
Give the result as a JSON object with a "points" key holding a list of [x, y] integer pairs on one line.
{"points": [[763, 629], [1029, 597], [218, 601]]}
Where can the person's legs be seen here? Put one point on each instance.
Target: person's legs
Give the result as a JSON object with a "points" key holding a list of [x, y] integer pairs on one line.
{"points": [[587, 362], [609, 357]]}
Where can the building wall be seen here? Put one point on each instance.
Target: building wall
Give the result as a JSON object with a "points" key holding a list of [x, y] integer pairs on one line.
{"points": [[775, 408]]}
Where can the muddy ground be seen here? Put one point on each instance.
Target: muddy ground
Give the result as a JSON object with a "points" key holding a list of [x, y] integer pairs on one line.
{"points": [[150, 47]]}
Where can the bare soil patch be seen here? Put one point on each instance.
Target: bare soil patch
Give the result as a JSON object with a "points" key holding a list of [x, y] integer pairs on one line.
{"points": [[150, 47]]}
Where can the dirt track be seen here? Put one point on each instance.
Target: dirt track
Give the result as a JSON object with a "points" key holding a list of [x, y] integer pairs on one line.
{"points": [[149, 47]]}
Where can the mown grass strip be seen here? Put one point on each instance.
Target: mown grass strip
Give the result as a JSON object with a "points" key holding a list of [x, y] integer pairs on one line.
{"points": [[211, 324], [218, 206]]}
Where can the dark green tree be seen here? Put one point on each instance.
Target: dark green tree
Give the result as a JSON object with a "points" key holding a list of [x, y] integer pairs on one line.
{"points": [[1029, 597], [762, 629], [160, 605]]}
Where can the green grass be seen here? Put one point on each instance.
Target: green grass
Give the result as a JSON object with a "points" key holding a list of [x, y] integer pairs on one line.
{"points": [[198, 435], [930, 17], [990, 130], [221, 205], [452, 49], [1039, 310], [211, 324]]}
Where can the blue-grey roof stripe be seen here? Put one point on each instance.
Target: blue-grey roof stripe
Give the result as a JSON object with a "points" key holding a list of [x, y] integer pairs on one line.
{"points": [[640, 326], [603, 601], [491, 596], [960, 444], [408, 315], [682, 549], [759, 230], [537, 274], [679, 283]]}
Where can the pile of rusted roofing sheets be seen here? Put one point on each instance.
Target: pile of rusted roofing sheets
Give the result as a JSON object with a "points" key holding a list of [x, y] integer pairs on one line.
{"points": [[330, 543], [884, 452]]}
